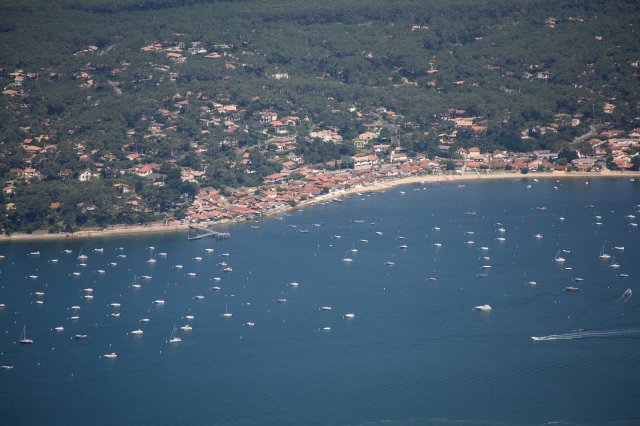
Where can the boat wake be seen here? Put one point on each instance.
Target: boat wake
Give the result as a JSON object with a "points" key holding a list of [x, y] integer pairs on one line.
{"points": [[588, 334]]}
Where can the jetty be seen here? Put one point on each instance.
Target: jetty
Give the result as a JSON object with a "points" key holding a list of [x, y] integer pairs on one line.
{"points": [[203, 232]]}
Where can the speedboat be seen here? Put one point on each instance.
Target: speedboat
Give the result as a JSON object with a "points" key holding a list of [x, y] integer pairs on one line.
{"points": [[482, 308]]}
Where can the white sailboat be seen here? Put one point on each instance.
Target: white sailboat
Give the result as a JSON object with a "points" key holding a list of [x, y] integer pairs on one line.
{"points": [[23, 337], [603, 255], [173, 338]]}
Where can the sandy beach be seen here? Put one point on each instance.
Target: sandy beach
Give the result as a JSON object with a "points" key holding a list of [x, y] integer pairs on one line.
{"points": [[183, 226]]}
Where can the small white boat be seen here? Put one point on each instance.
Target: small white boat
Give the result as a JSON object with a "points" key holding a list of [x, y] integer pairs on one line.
{"points": [[470, 242], [403, 247], [173, 338], [74, 318], [281, 300], [532, 283], [80, 336], [482, 308], [326, 329], [112, 355], [217, 279], [23, 337], [52, 260], [6, 367], [623, 275], [326, 308], [228, 269], [620, 248], [199, 297], [67, 251], [486, 266], [294, 284], [88, 296], [197, 259], [364, 241], [178, 266], [34, 253], [389, 263], [436, 228], [115, 314], [144, 320], [146, 277], [98, 250], [159, 302], [186, 327], [59, 328], [39, 293], [538, 236], [191, 274], [209, 250], [137, 332], [115, 305], [75, 307], [101, 271], [502, 230], [226, 313], [76, 274], [216, 288], [114, 264], [501, 239], [483, 248], [189, 317], [250, 323], [162, 254], [379, 233], [350, 316], [437, 245]]}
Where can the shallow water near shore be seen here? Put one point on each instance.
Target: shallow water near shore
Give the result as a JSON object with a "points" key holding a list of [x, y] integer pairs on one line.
{"points": [[415, 352]]}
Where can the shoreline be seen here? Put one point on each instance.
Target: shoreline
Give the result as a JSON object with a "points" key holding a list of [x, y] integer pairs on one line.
{"points": [[180, 227]]}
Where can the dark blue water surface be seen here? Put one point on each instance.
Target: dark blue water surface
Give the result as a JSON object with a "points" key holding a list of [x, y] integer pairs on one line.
{"points": [[415, 354]]}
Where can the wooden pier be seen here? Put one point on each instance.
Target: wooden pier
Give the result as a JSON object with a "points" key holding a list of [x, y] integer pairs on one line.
{"points": [[202, 232]]}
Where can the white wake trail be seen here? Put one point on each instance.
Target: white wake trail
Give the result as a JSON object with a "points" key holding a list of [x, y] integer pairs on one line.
{"points": [[587, 334]]}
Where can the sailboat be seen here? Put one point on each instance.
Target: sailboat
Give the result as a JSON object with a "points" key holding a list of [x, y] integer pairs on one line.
{"points": [[226, 314], [173, 338], [151, 259], [346, 259], [558, 258], [81, 256], [604, 255], [135, 283], [23, 337]]}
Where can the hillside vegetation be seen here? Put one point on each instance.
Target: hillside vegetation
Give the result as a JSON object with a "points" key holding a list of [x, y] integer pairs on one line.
{"points": [[109, 86]]}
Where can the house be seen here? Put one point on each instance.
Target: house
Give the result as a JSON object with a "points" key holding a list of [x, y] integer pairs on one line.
{"points": [[364, 161], [87, 175], [268, 116]]}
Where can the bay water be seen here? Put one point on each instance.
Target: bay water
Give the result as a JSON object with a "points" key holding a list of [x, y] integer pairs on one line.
{"points": [[415, 352]]}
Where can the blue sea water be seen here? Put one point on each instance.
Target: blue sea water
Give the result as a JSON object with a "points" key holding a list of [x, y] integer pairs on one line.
{"points": [[416, 353]]}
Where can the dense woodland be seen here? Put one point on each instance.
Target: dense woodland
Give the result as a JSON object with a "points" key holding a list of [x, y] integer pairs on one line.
{"points": [[88, 94]]}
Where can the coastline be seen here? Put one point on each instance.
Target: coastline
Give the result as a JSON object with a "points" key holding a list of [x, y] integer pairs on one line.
{"points": [[183, 226]]}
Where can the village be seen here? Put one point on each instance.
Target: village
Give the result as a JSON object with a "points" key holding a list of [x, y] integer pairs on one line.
{"points": [[376, 152]]}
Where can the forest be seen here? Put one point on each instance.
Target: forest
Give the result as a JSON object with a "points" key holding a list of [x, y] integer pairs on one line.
{"points": [[109, 86]]}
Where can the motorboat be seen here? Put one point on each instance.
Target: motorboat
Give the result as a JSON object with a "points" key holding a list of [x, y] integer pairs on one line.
{"points": [[482, 308]]}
